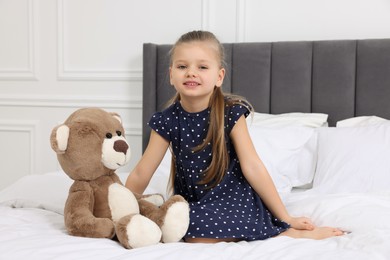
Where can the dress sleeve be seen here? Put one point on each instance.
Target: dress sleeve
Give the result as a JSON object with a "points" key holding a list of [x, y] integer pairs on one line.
{"points": [[159, 123], [234, 113]]}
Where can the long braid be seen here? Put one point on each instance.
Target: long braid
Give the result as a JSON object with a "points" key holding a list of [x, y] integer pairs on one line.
{"points": [[215, 136]]}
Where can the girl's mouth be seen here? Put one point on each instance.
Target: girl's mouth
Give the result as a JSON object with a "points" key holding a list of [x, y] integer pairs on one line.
{"points": [[191, 84]]}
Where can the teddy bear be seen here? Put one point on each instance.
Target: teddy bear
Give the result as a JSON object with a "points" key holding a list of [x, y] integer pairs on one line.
{"points": [[90, 146]]}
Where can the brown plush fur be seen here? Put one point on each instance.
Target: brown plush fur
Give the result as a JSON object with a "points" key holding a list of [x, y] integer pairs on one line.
{"points": [[89, 138]]}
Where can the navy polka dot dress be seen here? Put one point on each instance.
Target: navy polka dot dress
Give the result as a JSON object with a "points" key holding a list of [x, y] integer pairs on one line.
{"points": [[232, 209]]}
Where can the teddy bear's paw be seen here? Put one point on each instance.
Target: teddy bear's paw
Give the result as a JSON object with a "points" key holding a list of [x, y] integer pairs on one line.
{"points": [[135, 231], [122, 201], [156, 199], [176, 222]]}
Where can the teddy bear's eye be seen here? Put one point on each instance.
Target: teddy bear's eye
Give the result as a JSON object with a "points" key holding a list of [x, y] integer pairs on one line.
{"points": [[119, 133], [109, 135]]}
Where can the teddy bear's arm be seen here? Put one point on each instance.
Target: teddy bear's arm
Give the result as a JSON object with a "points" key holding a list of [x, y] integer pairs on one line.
{"points": [[156, 199], [79, 217]]}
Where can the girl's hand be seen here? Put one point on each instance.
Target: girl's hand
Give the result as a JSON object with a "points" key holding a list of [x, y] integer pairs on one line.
{"points": [[301, 223]]}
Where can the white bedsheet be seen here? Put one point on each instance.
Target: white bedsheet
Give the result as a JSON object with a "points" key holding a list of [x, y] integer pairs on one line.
{"points": [[37, 233]]}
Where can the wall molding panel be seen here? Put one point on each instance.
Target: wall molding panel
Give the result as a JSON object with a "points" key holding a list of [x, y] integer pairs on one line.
{"points": [[133, 130], [206, 14], [23, 126], [70, 102], [241, 20], [31, 71], [66, 72]]}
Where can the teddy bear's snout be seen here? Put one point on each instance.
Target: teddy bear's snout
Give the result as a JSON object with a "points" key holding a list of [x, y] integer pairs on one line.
{"points": [[121, 146]]}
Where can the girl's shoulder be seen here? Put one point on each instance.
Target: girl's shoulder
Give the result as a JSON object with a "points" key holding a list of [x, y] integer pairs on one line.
{"points": [[237, 106], [163, 121], [168, 111], [163, 117], [234, 109]]}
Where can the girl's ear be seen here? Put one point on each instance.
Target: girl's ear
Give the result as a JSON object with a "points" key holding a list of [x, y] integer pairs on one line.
{"points": [[221, 76], [170, 75]]}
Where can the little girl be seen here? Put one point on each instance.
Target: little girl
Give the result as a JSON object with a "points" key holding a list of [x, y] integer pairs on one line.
{"points": [[215, 166]]}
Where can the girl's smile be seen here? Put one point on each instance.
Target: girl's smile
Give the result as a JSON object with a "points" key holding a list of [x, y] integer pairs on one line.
{"points": [[191, 84]]}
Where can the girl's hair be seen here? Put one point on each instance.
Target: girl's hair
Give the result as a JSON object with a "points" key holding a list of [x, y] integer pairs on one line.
{"points": [[218, 101]]}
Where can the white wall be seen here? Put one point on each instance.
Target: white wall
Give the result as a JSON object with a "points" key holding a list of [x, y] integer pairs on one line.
{"points": [[59, 55]]}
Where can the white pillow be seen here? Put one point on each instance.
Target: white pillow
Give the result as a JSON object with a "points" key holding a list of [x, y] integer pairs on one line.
{"points": [[47, 191], [360, 121], [353, 159], [288, 119], [289, 153]]}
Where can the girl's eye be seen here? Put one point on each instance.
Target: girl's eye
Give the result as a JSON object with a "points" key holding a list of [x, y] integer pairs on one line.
{"points": [[181, 67], [203, 67]]}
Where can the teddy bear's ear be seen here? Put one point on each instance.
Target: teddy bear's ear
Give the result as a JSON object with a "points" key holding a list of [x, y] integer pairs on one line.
{"points": [[116, 116], [59, 138]]}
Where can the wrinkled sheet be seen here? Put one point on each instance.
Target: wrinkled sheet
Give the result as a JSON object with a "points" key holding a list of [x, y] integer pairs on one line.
{"points": [[37, 233]]}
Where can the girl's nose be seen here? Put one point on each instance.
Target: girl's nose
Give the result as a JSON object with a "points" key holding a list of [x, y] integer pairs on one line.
{"points": [[191, 73]]}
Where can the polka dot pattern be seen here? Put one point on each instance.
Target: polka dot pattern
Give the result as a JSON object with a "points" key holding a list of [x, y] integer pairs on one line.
{"points": [[232, 209]]}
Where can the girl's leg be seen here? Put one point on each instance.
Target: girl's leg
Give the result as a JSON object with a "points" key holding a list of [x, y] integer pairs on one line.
{"points": [[316, 233]]}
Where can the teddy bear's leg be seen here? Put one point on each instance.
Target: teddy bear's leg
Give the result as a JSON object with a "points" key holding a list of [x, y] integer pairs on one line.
{"points": [[176, 219], [79, 217], [135, 231], [122, 201]]}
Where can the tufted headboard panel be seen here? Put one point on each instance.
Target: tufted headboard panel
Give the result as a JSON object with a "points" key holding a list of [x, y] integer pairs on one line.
{"points": [[342, 78]]}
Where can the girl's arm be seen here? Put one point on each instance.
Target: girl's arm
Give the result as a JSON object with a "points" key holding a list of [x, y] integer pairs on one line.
{"points": [[259, 178], [139, 178]]}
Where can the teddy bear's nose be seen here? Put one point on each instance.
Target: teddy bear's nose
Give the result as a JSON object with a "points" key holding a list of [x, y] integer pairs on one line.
{"points": [[121, 146]]}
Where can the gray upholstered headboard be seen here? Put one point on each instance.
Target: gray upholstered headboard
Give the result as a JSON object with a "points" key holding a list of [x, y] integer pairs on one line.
{"points": [[343, 78]]}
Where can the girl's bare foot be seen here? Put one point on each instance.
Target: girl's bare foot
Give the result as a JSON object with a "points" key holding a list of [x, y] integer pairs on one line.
{"points": [[316, 233]]}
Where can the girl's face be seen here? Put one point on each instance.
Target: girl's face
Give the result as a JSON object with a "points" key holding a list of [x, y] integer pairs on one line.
{"points": [[195, 71]]}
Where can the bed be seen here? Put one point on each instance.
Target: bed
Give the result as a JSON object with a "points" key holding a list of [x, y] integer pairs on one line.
{"points": [[321, 127]]}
